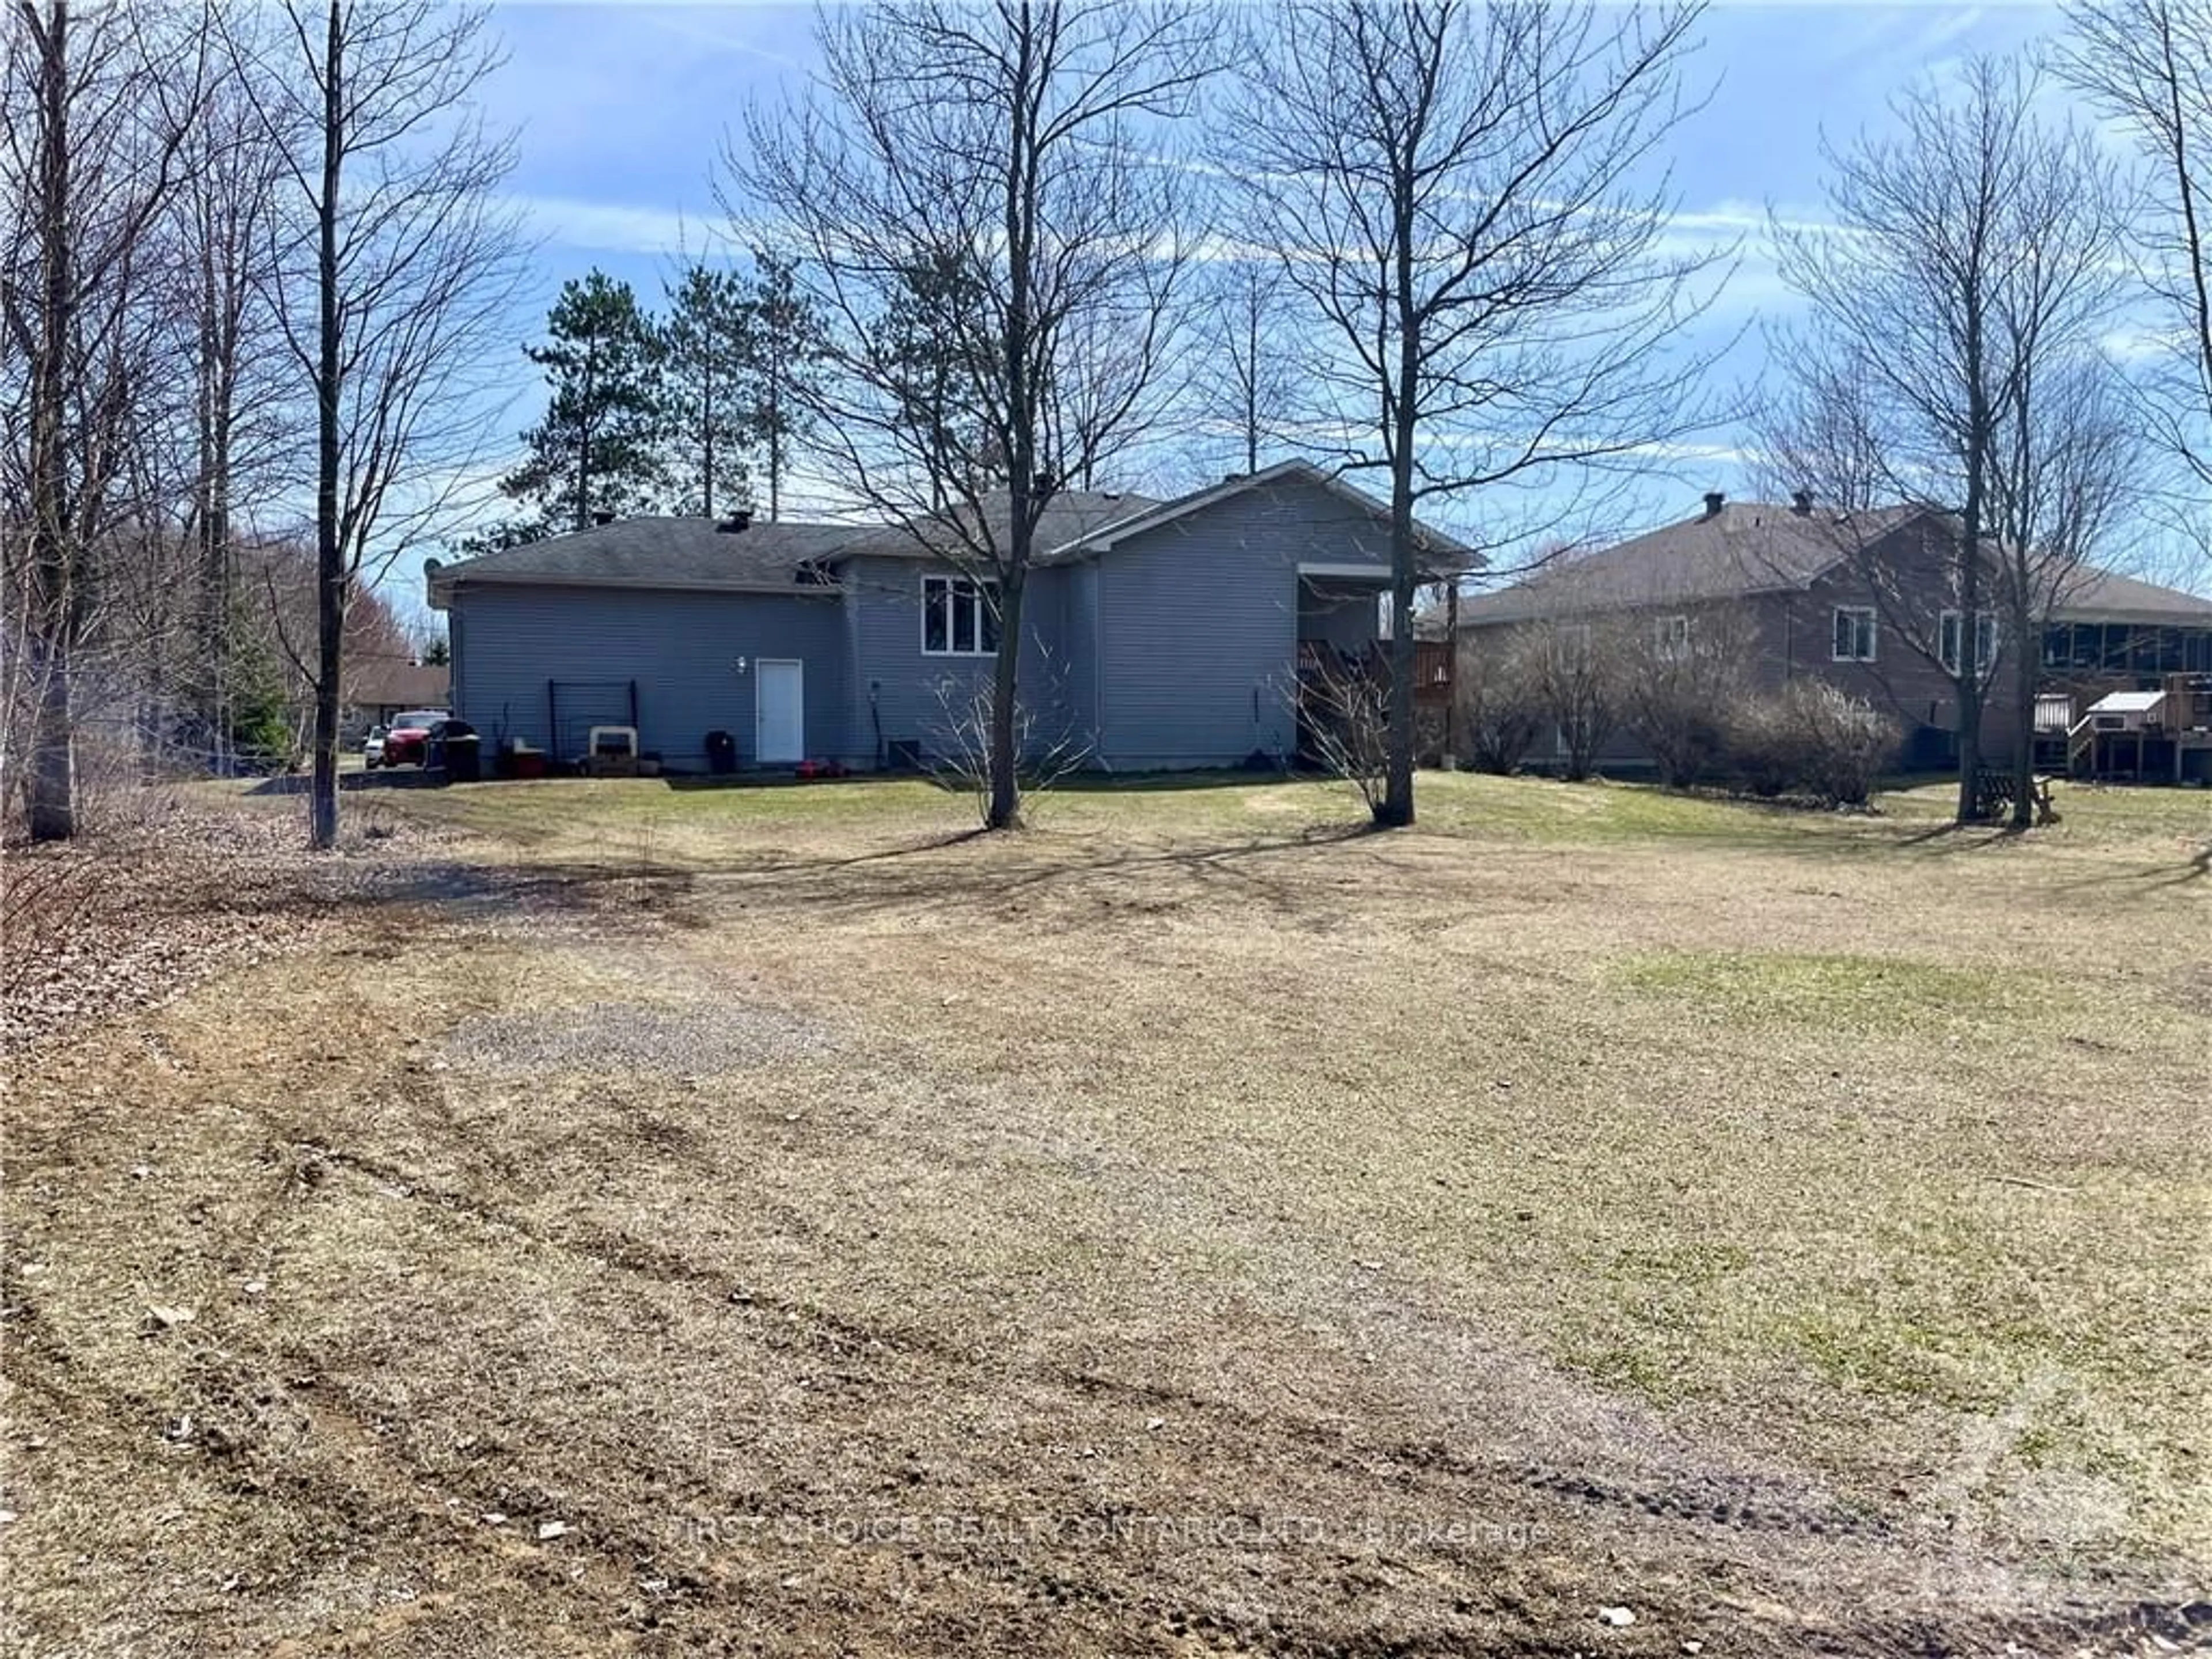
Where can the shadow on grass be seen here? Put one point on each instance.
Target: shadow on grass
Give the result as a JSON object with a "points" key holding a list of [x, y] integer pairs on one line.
{"points": [[906, 877], [351, 783], [1076, 783], [688, 783]]}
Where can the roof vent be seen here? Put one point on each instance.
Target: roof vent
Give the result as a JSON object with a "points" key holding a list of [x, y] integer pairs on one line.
{"points": [[601, 516], [736, 524], [1802, 503], [1230, 477], [1714, 502]]}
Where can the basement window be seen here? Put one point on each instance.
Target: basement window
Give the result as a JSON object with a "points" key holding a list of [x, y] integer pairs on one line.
{"points": [[1671, 638], [959, 616], [1855, 633]]}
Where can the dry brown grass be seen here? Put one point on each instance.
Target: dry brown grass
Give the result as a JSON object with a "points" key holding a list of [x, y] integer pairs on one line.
{"points": [[1184, 1227]]}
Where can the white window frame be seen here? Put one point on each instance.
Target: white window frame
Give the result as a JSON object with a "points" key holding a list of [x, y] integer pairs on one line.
{"points": [[1949, 632], [1873, 633], [1670, 638], [981, 600]]}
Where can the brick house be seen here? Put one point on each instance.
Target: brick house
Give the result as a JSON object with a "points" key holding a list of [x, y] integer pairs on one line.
{"points": [[1865, 602]]}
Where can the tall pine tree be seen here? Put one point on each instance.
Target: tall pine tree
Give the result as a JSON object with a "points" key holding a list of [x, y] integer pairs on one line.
{"points": [[931, 335], [598, 450], [707, 344], [787, 353]]}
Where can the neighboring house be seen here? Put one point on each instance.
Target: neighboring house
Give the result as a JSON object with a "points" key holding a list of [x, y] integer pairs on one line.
{"points": [[377, 688], [1795, 585], [1160, 635]]}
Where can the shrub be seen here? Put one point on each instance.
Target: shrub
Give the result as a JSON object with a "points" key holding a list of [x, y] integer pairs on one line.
{"points": [[1678, 685], [1813, 738], [1499, 686]]}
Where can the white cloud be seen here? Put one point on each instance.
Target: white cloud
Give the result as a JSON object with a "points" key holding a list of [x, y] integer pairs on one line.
{"points": [[619, 227]]}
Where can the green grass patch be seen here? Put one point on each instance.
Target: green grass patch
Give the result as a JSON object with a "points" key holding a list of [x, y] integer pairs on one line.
{"points": [[1843, 992]]}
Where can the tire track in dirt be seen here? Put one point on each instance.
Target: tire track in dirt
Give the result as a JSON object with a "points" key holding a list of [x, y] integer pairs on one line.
{"points": [[1720, 1506]]}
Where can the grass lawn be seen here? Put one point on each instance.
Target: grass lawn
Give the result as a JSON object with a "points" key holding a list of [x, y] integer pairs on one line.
{"points": [[768, 1219]]}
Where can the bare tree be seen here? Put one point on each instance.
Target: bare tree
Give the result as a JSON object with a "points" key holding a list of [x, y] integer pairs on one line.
{"points": [[1974, 253], [96, 108], [1463, 193], [1019, 142], [244, 416], [398, 270], [2148, 63], [1577, 676], [1247, 339]]}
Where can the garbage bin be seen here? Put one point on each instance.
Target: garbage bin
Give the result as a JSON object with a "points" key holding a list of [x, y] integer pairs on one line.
{"points": [[721, 754], [463, 762]]}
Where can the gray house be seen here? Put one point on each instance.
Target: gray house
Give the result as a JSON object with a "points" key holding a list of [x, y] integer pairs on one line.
{"points": [[1160, 635]]}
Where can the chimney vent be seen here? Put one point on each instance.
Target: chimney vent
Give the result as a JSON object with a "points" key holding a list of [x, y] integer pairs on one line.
{"points": [[1802, 503], [600, 515], [735, 524], [1714, 502]]}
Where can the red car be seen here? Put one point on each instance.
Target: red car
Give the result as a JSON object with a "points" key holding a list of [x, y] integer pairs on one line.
{"points": [[407, 741]]}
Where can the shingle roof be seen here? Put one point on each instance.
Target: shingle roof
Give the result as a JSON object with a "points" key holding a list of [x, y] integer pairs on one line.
{"points": [[1426, 538], [384, 682], [2091, 595], [1748, 547], [693, 553], [1070, 519], [660, 551]]}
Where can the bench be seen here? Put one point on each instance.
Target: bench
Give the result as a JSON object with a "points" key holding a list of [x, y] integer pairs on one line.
{"points": [[1994, 788]]}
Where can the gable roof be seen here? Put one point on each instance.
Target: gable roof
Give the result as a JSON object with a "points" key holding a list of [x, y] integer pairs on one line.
{"points": [[1426, 538], [694, 553], [1753, 547], [1071, 518], [656, 552], [1746, 548]]}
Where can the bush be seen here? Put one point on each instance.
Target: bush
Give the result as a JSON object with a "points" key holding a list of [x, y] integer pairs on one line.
{"points": [[1812, 738], [1675, 693], [1499, 686]]}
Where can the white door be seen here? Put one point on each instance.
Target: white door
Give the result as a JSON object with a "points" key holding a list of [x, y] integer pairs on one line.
{"points": [[779, 711]]}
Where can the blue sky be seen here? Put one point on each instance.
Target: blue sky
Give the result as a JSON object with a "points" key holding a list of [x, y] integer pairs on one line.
{"points": [[621, 112]]}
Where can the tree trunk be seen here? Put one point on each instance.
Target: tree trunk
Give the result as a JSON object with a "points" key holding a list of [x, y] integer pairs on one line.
{"points": [[1396, 811], [53, 755], [1003, 811], [2023, 760], [51, 797], [330, 559], [775, 436]]}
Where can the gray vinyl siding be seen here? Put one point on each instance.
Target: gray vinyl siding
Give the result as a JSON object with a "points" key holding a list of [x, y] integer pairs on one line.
{"points": [[1198, 626], [1080, 642], [681, 647], [906, 692]]}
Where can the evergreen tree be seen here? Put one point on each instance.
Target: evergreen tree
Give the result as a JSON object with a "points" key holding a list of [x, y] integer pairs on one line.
{"points": [[706, 344], [931, 337], [787, 355], [599, 449]]}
